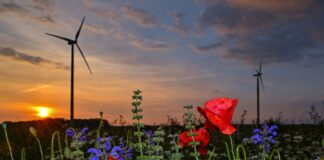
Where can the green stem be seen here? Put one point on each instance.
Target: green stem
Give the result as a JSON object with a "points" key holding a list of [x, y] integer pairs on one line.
{"points": [[40, 147], [9, 146], [211, 155], [192, 137], [238, 152], [100, 125], [273, 152], [23, 154], [227, 151], [193, 140], [232, 147], [57, 134], [139, 130], [128, 137], [98, 131], [149, 148], [263, 154]]}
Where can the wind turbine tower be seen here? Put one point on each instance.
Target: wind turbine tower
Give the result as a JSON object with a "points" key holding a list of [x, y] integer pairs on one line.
{"points": [[258, 75], [73, 42]]}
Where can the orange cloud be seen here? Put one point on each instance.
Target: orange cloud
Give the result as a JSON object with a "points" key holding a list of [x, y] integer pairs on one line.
{"points": [[273, 5]]}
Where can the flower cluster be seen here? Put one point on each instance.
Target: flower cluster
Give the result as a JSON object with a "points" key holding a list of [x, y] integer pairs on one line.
{"points": [[115, 153], [80, 137], [201, 136], [265, 136]]}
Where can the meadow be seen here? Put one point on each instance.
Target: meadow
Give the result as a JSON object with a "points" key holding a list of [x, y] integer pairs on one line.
{"points": [[207, 137]]}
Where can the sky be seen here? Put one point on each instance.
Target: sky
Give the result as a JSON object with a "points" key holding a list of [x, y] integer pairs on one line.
{"points": [[177, 52]]}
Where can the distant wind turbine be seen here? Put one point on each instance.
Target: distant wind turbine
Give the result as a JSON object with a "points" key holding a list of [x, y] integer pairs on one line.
{"points": [[258, 75], [72, 43]]}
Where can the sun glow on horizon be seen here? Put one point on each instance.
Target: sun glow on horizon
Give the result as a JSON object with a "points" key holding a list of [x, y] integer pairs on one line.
{"points": [[42, 111]]}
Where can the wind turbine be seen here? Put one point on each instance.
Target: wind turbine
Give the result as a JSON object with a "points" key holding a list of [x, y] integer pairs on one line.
{"points": [[72, 43], [258, 75]]}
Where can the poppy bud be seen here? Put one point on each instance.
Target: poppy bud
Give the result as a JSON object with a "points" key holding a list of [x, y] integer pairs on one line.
{"points": [[33, 131], [4, 125]]}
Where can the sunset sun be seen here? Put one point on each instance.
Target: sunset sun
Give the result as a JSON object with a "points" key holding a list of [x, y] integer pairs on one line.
{"points": [[42, 111]]}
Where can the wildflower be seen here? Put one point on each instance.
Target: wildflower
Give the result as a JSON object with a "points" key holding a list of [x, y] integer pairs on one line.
{"points": [[108, 145], [119, 153], [70, 132], [116, 152], [95, 153], [265, 137], [84, 130], [218, 113], [201, 136], [82, 136]]}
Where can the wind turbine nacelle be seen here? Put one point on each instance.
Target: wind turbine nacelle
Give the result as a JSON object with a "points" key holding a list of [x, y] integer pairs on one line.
{"points": [[71, 42], [258, 74]]}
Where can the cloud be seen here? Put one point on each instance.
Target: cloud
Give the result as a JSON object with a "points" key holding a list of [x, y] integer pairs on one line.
{"points": [[273, 5], [145, 43], [149, 44], [43, 5], [34, 60], [283, 31], [95, 28], [37, 88], [12, 7], [140, 16], [179, 26], [226, 19], [207, 47], [22, 11]]}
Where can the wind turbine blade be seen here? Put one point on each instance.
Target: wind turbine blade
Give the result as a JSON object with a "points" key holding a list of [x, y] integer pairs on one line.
{"points": [[260, 66], [66, 39], [78, 33], [84, 57], [262, 83]]}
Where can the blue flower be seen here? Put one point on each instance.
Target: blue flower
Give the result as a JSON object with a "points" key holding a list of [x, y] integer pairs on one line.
{"points": [[271, 139], [128, 153], [256, 131], [257, 139], [84, 130], [83, 134], [108, 145], [116, 152], [95, 153], [109, 138], [99, 139], [267, 147], [70, 132], [272, 128], [82, 138], [265, 137]]}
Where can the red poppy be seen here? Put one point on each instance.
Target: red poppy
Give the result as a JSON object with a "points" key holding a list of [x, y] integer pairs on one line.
{"points": [[111, 158], [218, 112], [202, 136]]}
